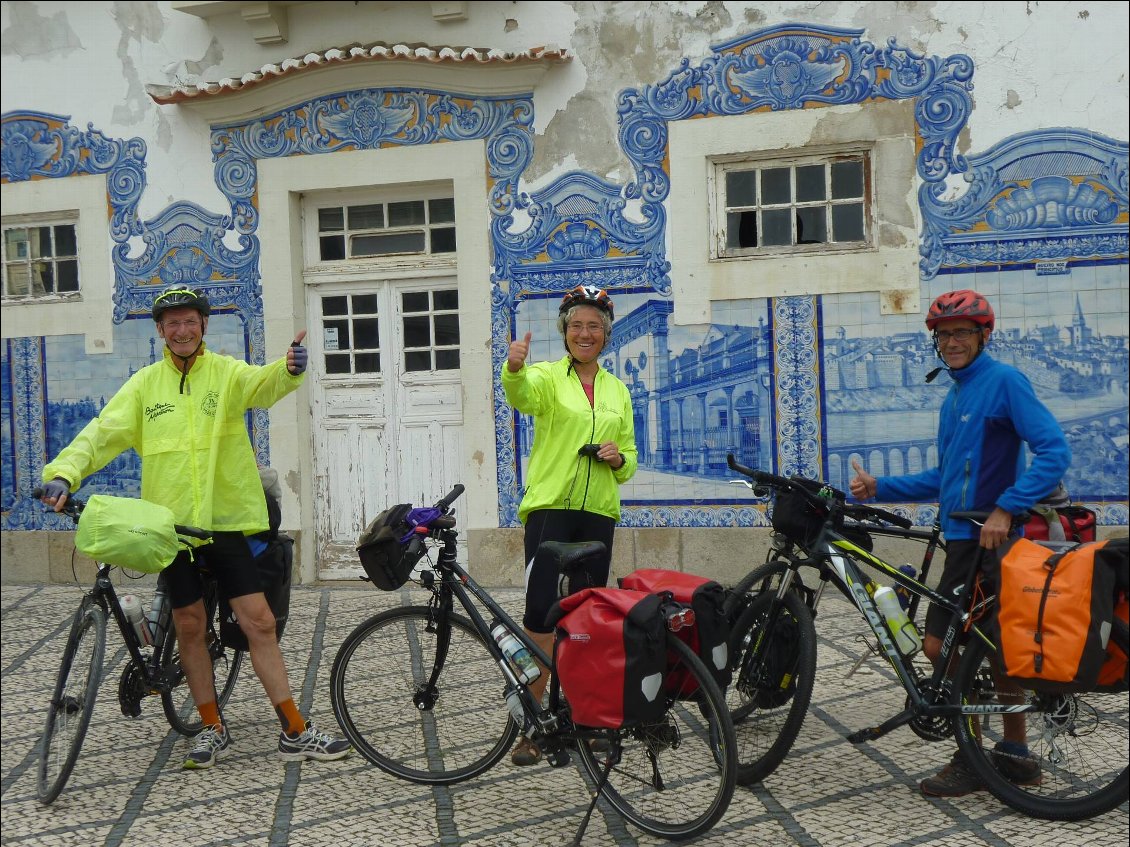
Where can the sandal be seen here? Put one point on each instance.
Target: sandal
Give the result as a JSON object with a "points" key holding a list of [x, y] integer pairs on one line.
{"points": [[525, 753]]}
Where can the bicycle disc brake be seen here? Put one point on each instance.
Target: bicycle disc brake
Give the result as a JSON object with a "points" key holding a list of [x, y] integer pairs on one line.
{"points": [[931, 727], [132, 686]]}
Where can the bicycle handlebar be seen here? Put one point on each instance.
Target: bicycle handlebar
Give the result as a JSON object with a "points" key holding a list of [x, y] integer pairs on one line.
{"points": [[445, 502], [818, 493]]}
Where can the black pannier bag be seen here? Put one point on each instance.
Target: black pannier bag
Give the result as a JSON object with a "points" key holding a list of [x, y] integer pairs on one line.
{"points": [[800, 520], [275, 565]]}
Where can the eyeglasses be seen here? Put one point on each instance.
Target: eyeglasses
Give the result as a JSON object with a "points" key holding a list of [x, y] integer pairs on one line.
{"points": [[578, 327], [191, 323], [944, 335]]}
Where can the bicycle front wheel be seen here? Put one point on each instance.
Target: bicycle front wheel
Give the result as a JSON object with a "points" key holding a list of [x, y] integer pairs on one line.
{"points": [[178, 702], [673, 778], [774, 653], [72, 700], [1076, 767], [439, 735]]}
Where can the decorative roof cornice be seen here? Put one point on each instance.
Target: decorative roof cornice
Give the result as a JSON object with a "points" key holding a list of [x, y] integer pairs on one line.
{"points": [[357, 55]]}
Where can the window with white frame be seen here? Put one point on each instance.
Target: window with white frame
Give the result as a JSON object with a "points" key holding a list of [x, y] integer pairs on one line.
{"points": [[431, 329], [777, 205], [374, 230], [40, 260]]}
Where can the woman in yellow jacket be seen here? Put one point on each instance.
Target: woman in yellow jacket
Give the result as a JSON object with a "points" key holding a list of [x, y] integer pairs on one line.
{"points": [[584, 449], [185, 418]]}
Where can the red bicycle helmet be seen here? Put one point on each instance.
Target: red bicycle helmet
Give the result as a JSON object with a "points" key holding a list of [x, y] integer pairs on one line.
{"points": [[587, 295], [177, 297], [961, 304]]}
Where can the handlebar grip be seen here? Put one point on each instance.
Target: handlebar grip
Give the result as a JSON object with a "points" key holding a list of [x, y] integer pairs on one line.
{"points": [[760, 477], [192, 531], [451, 496], [890, 517]]}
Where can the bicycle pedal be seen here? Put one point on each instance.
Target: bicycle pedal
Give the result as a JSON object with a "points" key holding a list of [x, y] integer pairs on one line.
{"points": [[558, 758]]}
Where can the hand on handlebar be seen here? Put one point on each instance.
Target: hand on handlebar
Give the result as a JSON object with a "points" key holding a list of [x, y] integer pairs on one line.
{"points": [[863, 486], [56, 492]]}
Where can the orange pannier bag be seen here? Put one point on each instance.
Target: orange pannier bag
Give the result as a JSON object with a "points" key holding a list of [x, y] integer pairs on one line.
{"points": [[1054, 616]]}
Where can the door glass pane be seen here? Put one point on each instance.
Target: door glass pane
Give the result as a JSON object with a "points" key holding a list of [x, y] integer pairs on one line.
{"points": [[443, 240], [811, 226], [336, 335], [365, 334], [337, 363], [366, 217], [416, 332], [368, 363], [447, 360], [414, 301], [447, 329], [847, 222], [417, 360], [335, 306], [386, 245], [331, 248], [741, 188], [364, 304], [775, 189], [447, 298], [406, 214], [442, 211], [331, 220], [847, 180], [810, 183], [777, 226]]}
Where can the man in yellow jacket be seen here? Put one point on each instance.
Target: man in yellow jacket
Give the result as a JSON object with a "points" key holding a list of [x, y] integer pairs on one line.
{"points": [[185, 417]]}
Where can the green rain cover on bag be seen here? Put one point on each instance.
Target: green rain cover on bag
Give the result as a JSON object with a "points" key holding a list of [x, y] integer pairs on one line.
{"points": [[127, 532]]}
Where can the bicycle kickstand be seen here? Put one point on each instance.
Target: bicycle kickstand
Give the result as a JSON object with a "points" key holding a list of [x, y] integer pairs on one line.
{"points": [[870, 649], [576, 842], [872, 732]]}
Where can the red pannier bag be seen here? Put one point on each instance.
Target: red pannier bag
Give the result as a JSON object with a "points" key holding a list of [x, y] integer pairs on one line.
{"points": [[1054, 616], [710, 636], [610, 656], [1078, 523]]}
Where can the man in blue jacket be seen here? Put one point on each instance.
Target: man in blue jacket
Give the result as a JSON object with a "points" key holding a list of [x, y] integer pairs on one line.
{"points": [[987, 418]]}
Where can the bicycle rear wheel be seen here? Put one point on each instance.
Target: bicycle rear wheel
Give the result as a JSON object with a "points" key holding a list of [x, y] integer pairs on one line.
{"points": [[178, 702], [770, 693], [673, 778], [1078, 741], [378, 688], [72, 701]]}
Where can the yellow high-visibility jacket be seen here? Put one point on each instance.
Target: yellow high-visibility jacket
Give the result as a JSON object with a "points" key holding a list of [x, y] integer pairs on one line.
{"points": [[557, 477], [196, 456]]}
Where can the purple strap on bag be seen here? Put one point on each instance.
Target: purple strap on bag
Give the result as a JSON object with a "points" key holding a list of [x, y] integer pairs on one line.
{"points": [[419, 517]]}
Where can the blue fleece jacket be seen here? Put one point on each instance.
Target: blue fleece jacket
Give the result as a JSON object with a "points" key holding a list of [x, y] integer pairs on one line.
{"points": [[988, 416]]}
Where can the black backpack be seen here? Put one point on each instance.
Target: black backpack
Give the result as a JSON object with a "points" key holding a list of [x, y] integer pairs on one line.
{"points": [[275, 564]]}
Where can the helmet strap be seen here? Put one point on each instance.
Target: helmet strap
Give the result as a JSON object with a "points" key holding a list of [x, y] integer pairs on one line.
{"points": [[184, 360]]}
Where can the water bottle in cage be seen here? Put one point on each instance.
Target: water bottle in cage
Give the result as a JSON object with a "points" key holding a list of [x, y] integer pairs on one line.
{"points": [[516, 653], [903, 594]]}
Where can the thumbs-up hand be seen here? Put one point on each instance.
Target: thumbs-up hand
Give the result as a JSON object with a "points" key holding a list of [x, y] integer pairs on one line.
{"points": [[296, 356], [863, 486], [519, 350]]}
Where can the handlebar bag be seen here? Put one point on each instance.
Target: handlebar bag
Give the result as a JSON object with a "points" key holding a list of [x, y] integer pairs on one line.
{"points": [[127, 532], [1055, 615], [709, 637], [383, 556], [610, 656]]}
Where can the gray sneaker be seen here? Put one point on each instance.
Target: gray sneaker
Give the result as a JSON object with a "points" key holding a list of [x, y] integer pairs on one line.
{"points": [[312, 743], [210, 745]]}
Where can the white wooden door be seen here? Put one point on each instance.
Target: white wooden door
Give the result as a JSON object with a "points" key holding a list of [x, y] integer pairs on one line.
{"points": [[386, 405]]}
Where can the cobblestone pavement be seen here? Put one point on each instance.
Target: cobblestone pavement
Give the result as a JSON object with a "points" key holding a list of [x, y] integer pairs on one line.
{"points": [[128, 787]]}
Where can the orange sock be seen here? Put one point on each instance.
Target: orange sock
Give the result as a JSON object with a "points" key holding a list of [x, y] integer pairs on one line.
{"points": [[290, 718], [210, 714]]}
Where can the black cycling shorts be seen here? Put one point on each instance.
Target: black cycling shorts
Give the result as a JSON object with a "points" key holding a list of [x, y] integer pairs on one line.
{"points": [[961, 557], [541, 581], [228, 558]]}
